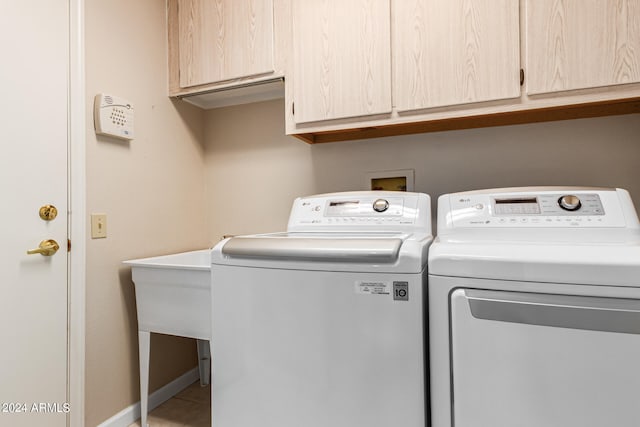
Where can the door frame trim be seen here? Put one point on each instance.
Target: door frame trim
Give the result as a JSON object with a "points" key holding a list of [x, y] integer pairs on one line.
{"points": [[76, 286]]}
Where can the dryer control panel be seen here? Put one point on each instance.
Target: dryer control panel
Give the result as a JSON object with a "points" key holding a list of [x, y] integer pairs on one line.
{"points": [[537, 208], [548, 204]]}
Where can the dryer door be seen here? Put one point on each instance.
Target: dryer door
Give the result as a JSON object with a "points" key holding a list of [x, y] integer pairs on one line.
{"points": [[531, 360]]}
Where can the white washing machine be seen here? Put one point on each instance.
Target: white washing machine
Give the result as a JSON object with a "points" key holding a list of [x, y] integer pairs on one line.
{"points": [[534, 309], [324, 325]]}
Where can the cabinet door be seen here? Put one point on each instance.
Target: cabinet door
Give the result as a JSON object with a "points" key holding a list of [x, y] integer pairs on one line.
{"points": [[450, 52], [342, 59], [578, 44], [224, 39]]}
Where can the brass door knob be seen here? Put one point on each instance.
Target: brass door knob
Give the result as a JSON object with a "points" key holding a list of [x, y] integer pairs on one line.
{"points": [[48, 212], [46, 248]]}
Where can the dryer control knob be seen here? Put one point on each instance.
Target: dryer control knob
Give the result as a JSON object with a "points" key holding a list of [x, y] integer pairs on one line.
{"points": [[380, 205], [569, 203]]}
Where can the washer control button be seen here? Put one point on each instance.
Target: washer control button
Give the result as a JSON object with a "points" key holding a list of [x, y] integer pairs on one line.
{"points": [[569, 202], [380, 205]]}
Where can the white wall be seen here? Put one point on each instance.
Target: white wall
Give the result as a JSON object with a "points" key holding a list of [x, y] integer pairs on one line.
{"points": [[258, 170], [152, 190]]}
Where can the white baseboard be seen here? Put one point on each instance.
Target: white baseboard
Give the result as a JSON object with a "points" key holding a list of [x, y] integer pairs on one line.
{"points": [[129, 415]]}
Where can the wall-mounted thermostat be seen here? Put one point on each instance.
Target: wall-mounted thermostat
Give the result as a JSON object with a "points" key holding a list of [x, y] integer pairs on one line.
{"points": [[113, 116]]}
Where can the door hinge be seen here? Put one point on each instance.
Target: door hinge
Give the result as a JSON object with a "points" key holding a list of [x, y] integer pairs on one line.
{"points": [[521, 76], [68, 245], [293, 108]]}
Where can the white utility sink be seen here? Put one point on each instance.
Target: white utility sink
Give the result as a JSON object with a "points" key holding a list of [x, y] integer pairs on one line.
{"points": [[173, 296]]}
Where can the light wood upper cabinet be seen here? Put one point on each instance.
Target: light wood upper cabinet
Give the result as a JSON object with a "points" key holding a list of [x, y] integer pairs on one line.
{"points": [[579, 44], [450, 52], [221, 40], [456, 63], [341, 59]]}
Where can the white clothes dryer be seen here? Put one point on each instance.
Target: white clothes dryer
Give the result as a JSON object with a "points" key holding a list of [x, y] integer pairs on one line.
{"points": [[534, 309], [324, 325]]}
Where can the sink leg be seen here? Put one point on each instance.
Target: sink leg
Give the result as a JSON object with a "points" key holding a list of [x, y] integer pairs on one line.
{"points": [[144, 345], [204, 361]]}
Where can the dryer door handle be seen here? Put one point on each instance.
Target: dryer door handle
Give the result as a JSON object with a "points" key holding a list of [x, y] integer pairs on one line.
{"points": [[559, 311]]}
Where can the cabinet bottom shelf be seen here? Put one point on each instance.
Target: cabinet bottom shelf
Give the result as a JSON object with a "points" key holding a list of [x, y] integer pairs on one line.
{"points": [[535, 115]]}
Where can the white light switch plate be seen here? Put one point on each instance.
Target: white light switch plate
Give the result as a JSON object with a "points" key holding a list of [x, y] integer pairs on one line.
{"points": [[98, 226]]}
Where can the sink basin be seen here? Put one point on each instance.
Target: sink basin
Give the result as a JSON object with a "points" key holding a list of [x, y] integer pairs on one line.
{"points": [[173, 296], [173, 293]]}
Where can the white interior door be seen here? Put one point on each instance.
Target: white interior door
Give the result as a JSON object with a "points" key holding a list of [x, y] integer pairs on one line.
{"points": [[34, 40]]}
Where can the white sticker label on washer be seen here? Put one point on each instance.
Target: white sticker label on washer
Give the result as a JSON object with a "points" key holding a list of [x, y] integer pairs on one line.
{"points": [[373, 288]]}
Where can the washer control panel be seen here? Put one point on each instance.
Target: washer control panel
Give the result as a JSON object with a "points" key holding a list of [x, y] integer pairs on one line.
{"points": [[367, 210], [363, 207], [526, 209]]}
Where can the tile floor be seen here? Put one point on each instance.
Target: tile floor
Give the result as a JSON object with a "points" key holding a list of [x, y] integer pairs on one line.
{"points": [[189, 408]]}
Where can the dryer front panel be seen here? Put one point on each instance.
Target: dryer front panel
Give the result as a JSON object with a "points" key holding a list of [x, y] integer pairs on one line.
{"points": [[533, 359]]}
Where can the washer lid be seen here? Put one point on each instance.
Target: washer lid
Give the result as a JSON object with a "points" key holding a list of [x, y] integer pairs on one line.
{"points": [[356, 252]]}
